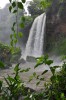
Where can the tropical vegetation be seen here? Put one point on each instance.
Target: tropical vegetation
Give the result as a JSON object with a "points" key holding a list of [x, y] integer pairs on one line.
{"points": [[54, 89]]}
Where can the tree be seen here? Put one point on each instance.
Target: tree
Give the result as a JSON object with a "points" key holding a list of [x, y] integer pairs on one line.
{"points": [[35, 8]]}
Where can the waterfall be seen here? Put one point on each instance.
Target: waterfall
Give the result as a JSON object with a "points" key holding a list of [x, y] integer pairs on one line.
{"points": [[34, 46]]}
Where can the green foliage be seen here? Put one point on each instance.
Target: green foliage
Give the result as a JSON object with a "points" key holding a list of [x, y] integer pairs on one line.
{"points": [[53, 90], [56, 88], [23, 1], [43, 60], [20, 5], [10, 8], [35, 8], [1, 64], [16, 54], [8, 54], [1, 82], [15, 86], [28, 20], [22, 21], [5, 55], [38, 7], [15, 5], [46, 3]]}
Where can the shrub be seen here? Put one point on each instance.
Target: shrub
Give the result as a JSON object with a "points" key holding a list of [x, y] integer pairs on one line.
{"points": [[55, 89], [5, 54], [9, 54]]}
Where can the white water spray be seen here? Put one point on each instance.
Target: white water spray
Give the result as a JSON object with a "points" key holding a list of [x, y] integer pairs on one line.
{"points": [[34, 46]]}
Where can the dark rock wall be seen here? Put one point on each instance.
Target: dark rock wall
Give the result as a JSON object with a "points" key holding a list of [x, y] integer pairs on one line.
{"points": [[56, 24]]}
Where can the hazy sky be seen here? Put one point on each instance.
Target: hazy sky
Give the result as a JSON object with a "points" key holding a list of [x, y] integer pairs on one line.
{"points": [[4, 2]]}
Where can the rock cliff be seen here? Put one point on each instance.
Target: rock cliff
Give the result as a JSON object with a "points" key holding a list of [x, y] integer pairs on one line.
{"points": [[56, 26]]}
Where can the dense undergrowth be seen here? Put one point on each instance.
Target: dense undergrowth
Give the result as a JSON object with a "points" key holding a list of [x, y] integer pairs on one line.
{"points": [[55, 89], [9, 54]]}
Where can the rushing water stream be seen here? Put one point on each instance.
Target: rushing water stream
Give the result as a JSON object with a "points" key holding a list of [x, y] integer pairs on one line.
{"points": [[34, 46]]}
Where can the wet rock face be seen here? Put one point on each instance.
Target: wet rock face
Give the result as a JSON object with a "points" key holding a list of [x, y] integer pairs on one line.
{"points": [[57, 11], [56, 22], [56, 14], [61, 28], [63, 12]]}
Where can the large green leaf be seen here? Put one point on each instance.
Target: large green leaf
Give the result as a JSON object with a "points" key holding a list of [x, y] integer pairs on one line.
{"points": [[0, 85], [23, 1], [52, 70], [15, 11], [14, 4], [25, 70], [10, 8], [23, 19], [56, 67], [31, 78], [10, 79], [44, 72], [37, 65], [14, 24], [20, 34], [42, 79], [17, 68], [49, 62], [20, 5], [22, 25], [38, 83]]}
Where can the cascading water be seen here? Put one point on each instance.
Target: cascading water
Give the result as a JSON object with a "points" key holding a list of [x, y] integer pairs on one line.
{"points": [[34, 46]]}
